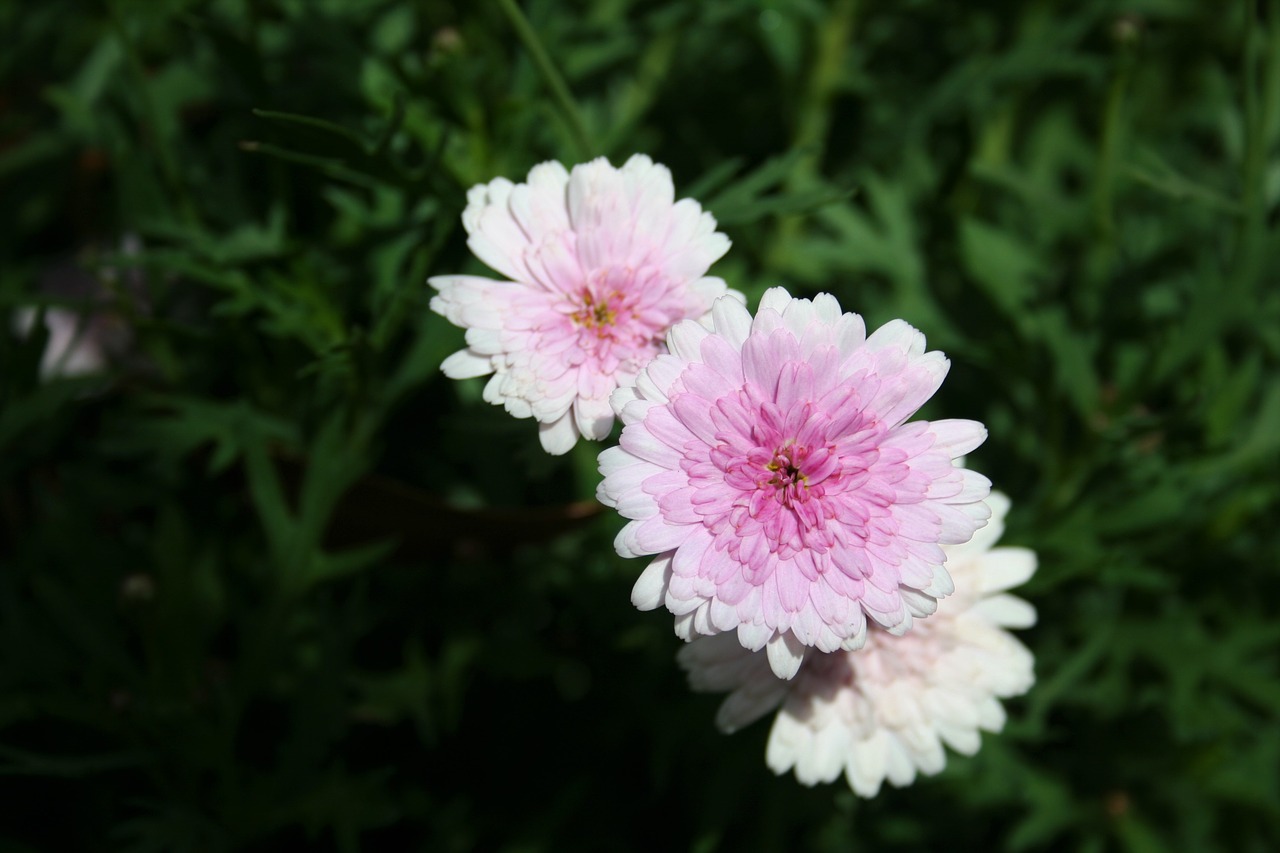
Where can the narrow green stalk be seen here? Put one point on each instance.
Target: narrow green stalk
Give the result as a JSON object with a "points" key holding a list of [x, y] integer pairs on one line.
{"points": [[168, 166], [1108, 150], [813, 119], [1260, 55], [813, 115], [559, 89], [1101, 253]]}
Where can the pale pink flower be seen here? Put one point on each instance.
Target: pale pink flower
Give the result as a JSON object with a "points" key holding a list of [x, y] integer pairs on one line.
{"points": [[75, 347], [885, 711], [600, 262], [770, 466]]}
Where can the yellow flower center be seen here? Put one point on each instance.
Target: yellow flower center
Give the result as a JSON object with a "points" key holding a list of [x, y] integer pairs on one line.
{"points": [[598, 316]]}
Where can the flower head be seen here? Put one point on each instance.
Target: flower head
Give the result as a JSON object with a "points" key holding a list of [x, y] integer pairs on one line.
{"points": [[770, 466], [885, 711], [600, 262], [72, 348]]}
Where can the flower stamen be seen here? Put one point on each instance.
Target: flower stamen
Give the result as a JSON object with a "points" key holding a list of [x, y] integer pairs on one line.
{"points": [[599, 317], [788, 478]]}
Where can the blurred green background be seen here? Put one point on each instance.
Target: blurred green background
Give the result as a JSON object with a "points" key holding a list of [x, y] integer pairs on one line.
{"points": [[267, 578]]}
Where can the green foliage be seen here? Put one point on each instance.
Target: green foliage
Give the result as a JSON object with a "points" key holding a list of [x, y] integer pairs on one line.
{"points": [[269, 578]]}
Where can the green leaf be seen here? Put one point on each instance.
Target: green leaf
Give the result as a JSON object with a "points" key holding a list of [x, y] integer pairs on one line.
{"points": [[1155, 172], [748, 189], [1072, 356], [790, 203], [345, 134], [1004, 266], [20, 762]]}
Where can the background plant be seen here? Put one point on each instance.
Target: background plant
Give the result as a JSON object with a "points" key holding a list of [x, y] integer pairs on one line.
{"points": [[271, 578]]}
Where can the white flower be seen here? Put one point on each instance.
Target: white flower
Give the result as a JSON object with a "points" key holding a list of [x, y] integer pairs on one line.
{"points": [[74, 348], [885, 711], [599, 262]]}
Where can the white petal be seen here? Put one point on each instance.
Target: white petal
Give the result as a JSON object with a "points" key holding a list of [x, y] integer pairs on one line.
{"points": [[788, 740], [558, 437], [897, 334], [625, 542], [917, 603], [748, 704], [865, 764], [465, 364], [619, 399], [732, 320], [798, 316], [900, 770], [826, 308], [652, 584], [1005, 568], [684, 627], [483, 196], [1007, 611], [858, 638], [685, 340], [962, 739], [776, 299], [999, 503], [786, 653], [851, 334], [593, 418], [829, 750], [500, 248], [753, 636], [957, 436], [539, 206]]}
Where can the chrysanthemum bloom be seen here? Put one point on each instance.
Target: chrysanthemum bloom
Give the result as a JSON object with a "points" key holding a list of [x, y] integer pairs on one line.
{"points": [[769, 465], [885, 711], [600, 262]]}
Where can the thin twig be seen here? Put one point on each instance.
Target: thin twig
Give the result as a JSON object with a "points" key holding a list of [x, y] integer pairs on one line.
{"points": [[559, 89]]}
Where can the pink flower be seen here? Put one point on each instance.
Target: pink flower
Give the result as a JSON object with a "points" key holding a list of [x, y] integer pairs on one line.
{"points": [[769, 465], [884, 712], [600, 262]]}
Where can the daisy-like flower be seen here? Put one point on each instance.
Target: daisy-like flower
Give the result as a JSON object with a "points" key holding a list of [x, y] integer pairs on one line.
{"points": [[885, 711], [769, 465], [600, 263]]}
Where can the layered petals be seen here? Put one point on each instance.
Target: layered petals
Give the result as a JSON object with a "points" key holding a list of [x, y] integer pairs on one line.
{"points": [[599, 263], [772, 461], [886, 711]]}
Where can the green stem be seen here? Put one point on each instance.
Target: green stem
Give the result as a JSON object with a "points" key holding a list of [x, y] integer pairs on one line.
{"points": [[1108, 148], [1261, 53], [559, 90], [152, 123], [813, 118], [1102, 253], [813, 115]]}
